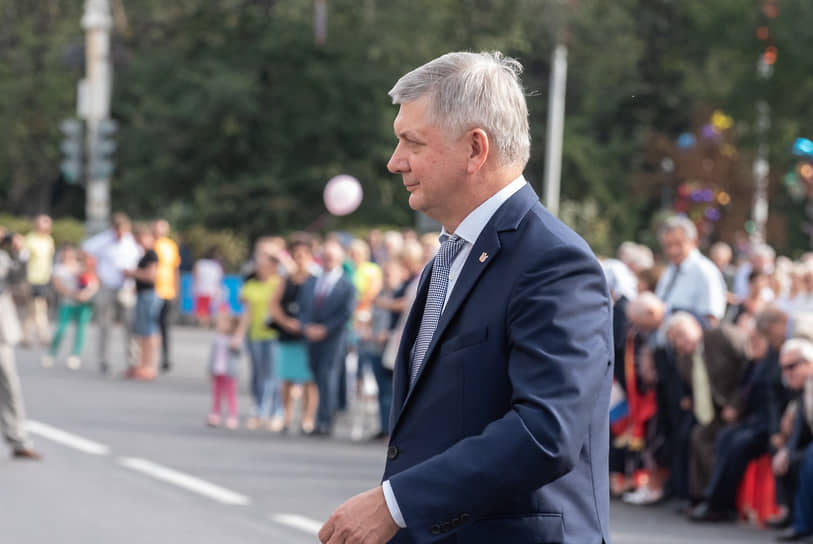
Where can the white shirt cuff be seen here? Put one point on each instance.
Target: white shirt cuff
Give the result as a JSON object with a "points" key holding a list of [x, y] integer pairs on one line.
{"points": [[392, 505]]}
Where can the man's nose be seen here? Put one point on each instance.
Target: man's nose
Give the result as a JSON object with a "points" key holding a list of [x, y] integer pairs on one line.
{"points": [[397, 163]]}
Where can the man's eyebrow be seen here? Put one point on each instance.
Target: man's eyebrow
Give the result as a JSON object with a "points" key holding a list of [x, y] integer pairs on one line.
{"points": [[408, 135]]}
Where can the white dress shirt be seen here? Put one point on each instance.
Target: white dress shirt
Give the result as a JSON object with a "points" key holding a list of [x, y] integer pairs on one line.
{"points": [[697, 288], [113, 256], [327, 280], [469, 231]]}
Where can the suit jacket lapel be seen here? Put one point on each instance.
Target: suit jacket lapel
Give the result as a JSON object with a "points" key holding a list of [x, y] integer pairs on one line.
{"points": [[489, 244]]}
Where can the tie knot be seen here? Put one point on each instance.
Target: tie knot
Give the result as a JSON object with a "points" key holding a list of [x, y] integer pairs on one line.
{"points": [[449, 248]]}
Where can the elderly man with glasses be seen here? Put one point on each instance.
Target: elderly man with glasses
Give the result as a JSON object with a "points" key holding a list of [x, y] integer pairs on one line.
{"points": [[796, 363]]}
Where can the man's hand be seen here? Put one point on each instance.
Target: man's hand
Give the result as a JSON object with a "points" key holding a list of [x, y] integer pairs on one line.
{"points": [[781, 462], [730, 414], [686, 404], [315, 332], [364, 519]]}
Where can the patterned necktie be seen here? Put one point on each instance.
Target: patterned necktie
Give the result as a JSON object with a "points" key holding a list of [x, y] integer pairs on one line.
{"points": [[434, 301]]}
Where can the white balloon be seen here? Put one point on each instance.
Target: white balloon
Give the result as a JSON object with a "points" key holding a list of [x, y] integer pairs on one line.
{"points": [[342, 195]]}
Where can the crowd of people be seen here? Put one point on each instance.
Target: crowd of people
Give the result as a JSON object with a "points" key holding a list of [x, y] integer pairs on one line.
{"points": [[306, 304], [714, 358], [714, 355]]}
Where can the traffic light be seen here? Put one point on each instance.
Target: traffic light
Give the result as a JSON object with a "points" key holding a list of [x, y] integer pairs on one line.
{"points": [[72, 150], [101, 163]]}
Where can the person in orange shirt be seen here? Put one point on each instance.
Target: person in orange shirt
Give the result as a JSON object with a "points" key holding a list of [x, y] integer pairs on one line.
{"points": [[166, 283]]}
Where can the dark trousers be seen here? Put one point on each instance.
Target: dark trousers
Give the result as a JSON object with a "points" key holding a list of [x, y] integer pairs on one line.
{"points": [[735, 447], [326, 363], [163, 325], [803, 503], [673, 426]]}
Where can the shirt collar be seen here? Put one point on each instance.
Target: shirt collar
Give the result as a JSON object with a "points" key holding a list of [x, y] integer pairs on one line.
{"points": [[474, 223]]}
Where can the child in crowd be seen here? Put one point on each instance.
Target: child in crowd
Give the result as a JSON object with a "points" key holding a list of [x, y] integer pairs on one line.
{"points": [[224, 362], [75, 281]]}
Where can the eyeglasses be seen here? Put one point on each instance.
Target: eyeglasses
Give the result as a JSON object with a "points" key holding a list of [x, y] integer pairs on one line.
{"points": [[793, 364]]}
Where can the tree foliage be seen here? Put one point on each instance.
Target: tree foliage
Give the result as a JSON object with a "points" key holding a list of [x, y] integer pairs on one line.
{"points": [[232, 116]]}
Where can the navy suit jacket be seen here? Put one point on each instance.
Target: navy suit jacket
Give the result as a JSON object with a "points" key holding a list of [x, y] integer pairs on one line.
{"points": [[504, 437], [334, 312]]}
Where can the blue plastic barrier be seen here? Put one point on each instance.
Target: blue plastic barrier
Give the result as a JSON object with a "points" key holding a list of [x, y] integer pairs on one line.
{"points": [[231, 294]]}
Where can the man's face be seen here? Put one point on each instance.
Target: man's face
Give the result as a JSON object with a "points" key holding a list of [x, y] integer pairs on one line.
{"points": [[333, 255], [795, 370], [676, 246], [431, 163], [721, 258], [43, 224], [684, 339]]}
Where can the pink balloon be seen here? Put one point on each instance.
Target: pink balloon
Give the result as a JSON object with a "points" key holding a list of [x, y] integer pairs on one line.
{"points": [[342, 195]]}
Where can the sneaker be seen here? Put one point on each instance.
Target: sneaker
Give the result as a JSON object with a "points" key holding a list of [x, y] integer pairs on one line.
{"points": [[643, 496], [232, 423], [74, 362], [276, 425], [213, 420], [47, 361], [252, 423], [26, 453]]}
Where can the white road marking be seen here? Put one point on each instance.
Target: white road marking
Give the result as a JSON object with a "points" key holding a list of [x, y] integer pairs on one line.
{"points": [[66, 438], [190, 483], [296, 521]]}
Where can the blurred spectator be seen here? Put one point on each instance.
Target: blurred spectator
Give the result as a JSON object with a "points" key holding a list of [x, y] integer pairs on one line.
{"points": [[620, 279], [256, 296], [648, 278], [636, 257], [367, 278], [75, 282], [393, 244], [167, 283], [378, 253], [711, 364], [761, 260], [12, 413], [413, 259], [148, 306], [292, 362], [691, 282], [759, 295], [752, 419], [374, 338], [720, 254], [224, 365], [40, 246], [327, 305], [796, 363], [207, 285], [114, 251]]}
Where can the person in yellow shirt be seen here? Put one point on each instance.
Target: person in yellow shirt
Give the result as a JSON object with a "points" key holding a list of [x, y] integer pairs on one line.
{"points": [[256, 296], [166, 283], [40, 247]]}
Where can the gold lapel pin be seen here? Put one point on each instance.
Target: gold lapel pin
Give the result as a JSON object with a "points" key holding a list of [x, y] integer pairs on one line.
{"points": [[483, 257]]}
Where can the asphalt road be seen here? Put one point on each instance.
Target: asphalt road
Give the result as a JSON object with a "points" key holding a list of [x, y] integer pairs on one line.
{"points": [[133, 462]]}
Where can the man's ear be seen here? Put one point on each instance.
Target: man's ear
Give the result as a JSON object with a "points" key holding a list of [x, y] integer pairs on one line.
{"points": [[479, 148]]}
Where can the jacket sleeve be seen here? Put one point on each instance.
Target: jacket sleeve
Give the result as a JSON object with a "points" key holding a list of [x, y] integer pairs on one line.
{"points": [[559, 358], [337, 320]]}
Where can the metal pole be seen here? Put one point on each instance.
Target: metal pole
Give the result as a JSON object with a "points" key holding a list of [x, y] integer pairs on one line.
{"points": [[97, 22], [761, 167], [556, 126]]}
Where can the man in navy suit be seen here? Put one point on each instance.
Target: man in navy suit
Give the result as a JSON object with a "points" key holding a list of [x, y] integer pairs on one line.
{"points": [[327, 304], [499, 425]]}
